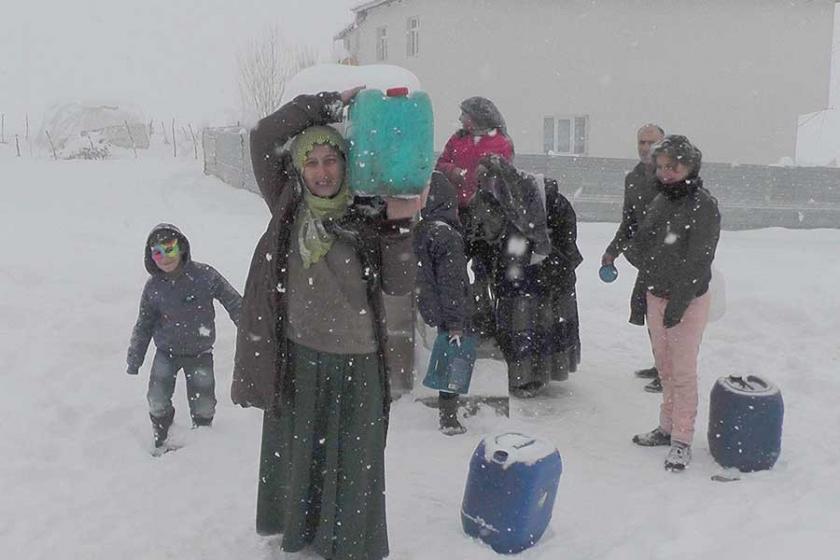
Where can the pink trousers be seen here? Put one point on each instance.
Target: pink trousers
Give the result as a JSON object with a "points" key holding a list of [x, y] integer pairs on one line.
{"points": [[675, 353]]}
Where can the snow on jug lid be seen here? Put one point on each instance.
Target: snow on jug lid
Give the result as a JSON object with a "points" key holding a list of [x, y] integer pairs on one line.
{"points": [[511, 448]]}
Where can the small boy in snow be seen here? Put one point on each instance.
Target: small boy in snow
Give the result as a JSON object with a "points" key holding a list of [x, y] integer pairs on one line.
{"points": [[442, 281], [176, 309]]}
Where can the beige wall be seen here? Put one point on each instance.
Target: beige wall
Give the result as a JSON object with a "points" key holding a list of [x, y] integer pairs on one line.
{"points": [[732, 75]]}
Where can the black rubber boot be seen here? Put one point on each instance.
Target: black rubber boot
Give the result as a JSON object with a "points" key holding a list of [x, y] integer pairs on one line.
{"points": [[448, 413], [654, 386], [160, 425], [649, 373], [199, 422], [653, 438]]}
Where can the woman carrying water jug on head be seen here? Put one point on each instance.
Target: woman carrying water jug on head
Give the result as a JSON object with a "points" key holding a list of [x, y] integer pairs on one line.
{"points": [[311, 341]]}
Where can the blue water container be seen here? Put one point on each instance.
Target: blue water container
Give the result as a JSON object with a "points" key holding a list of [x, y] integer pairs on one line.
{"points": [[450, 365], [510, 491], [745, 423], [391, 139]]}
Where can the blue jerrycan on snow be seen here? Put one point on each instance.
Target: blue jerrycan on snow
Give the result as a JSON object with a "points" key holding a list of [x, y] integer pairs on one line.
{"points": [[745, 423], [510, 491], [391, 138], [450, 365]]}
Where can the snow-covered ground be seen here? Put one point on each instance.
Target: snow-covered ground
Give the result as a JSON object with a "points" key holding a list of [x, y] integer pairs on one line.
{"points": [[77, 480]]}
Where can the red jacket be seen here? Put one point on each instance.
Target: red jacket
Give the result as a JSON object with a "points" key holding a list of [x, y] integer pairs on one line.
{"points": [[463, 151]]}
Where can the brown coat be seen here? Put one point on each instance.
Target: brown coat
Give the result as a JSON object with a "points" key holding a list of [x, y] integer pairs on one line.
{"points": [[384, 249]]}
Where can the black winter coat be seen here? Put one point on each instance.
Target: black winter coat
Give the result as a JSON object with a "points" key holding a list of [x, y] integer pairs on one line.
{"points": [[674, 249], [177, 309], [640, 188], [442, 282]]}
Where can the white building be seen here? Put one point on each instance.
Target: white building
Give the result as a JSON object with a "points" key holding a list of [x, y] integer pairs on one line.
{"points": [[580, 76]]}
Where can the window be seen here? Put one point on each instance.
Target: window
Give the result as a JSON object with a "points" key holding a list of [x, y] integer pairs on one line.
{"points": [[381, 43], [565, 135], [412, 45]]}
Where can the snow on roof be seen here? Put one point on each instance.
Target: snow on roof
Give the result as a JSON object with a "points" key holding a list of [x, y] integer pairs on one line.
{"points": [[343, 33], [365, 6], [338, 77]]}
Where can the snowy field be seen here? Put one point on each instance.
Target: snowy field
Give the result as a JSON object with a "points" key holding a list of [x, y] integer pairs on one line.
{"points": [[77, 480]]}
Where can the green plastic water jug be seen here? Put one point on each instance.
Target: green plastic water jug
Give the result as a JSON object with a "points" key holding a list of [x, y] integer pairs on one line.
{"points": [[391, 139]]}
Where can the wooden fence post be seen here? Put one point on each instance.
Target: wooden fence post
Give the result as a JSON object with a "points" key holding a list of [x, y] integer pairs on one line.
{"points": [[52, 146], [174, 140], [131, 137], [195, 145]]}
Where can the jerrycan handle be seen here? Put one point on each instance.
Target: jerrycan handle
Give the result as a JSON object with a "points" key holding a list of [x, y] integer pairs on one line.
{"points": [[397, 92]]}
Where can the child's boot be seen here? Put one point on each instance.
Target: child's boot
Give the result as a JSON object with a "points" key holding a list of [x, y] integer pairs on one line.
{"points": [[448, 411], [160, 425]]}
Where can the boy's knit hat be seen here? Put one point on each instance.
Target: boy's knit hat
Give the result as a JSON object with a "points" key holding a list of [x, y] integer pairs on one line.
{"points": [[303, 143], [680, 149]]}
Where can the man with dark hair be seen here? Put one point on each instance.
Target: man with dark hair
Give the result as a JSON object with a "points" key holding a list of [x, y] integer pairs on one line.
{"points": [[639, 191]]}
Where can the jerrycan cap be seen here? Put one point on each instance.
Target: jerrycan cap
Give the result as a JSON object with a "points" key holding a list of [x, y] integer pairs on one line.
{"points": [[397, 92]]}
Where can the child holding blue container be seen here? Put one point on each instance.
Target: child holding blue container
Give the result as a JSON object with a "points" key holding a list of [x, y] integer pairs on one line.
{"points": [[444, 296]]}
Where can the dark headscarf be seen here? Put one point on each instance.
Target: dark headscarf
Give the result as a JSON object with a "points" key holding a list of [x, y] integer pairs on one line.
{"points": [[518, 198], [484, 114]]}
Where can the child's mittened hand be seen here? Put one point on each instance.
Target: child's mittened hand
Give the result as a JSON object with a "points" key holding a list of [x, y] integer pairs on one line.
{"points": [[130, 371]]}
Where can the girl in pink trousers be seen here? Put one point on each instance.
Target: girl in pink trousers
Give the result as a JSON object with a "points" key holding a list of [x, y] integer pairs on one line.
{"points": [[674, 249]]}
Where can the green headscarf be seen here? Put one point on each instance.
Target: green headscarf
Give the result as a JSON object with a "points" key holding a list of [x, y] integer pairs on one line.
{"points": [[313, 238]]}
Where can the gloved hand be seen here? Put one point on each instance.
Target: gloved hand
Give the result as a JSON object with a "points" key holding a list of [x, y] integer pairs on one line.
{"points": [[132, 371]]}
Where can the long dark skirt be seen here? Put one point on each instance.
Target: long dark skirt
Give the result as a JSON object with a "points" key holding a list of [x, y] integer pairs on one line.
{"points": [[539, 337], [322, 465]]}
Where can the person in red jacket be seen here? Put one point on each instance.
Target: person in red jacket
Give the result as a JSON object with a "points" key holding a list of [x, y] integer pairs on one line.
{"points": [[483, 133]]}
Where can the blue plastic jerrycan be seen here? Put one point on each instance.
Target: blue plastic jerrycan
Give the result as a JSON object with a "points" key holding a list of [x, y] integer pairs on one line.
{"points": [[745, 423], [391, 139], [450, 365], [510, 491]]}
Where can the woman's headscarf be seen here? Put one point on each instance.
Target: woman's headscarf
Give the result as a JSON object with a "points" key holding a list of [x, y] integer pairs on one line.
{"points": [[313, 238], [484, 114], [518, 197]]}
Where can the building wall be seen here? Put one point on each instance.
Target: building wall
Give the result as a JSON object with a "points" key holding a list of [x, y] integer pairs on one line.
{"points": [[733, 76]]}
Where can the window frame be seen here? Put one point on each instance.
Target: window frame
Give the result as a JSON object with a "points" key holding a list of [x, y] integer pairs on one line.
{"points": [[412, 36], [578, 140], [382, 43]]}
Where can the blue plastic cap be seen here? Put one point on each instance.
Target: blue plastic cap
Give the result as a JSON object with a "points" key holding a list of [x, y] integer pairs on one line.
{"points": [[608, 273]]}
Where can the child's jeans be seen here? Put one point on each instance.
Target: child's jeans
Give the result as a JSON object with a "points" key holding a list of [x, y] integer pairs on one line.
{"points": [[201, 385]]}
